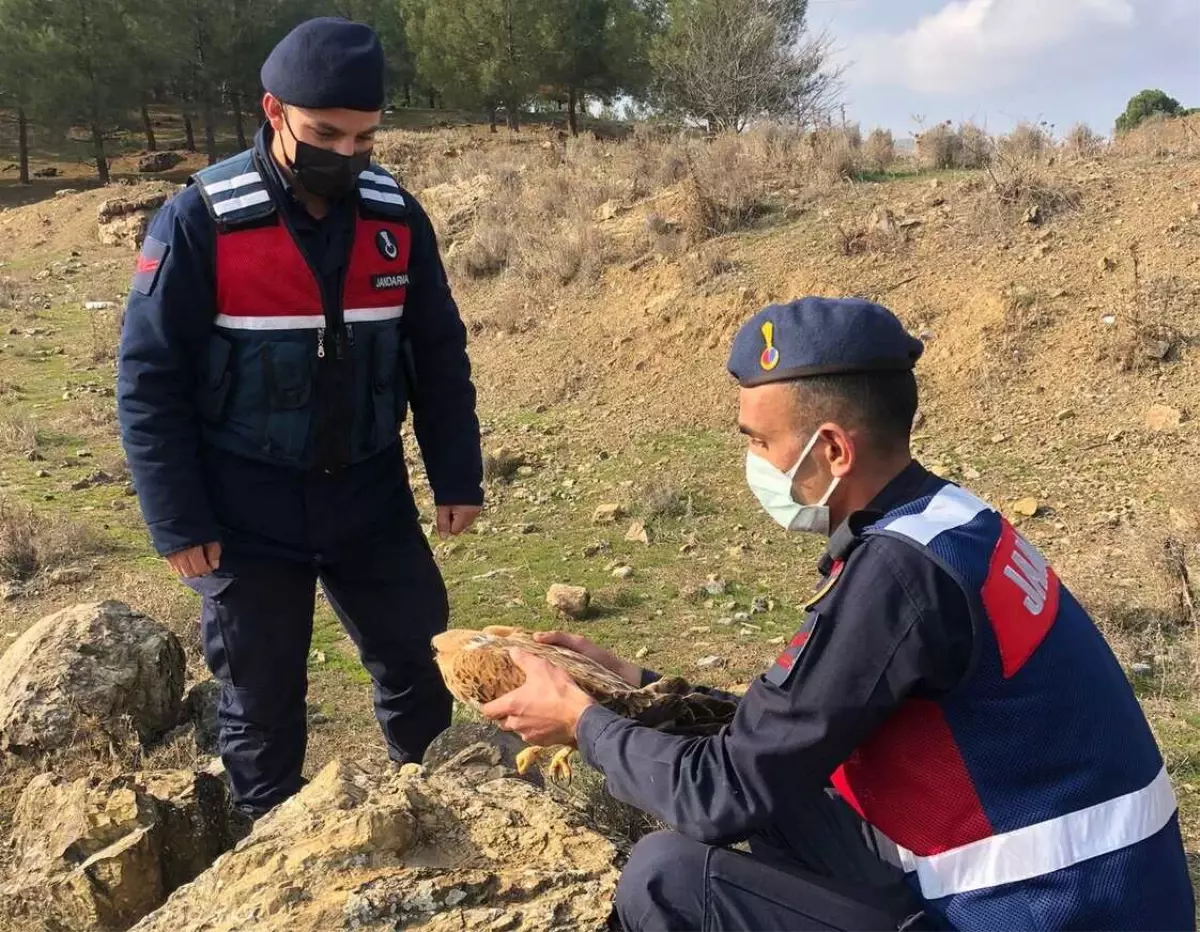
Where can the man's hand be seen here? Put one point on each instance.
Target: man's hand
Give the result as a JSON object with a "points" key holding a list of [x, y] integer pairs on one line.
{"points": [[630, 672], [196, 561], [545, 709], [454, 519]]}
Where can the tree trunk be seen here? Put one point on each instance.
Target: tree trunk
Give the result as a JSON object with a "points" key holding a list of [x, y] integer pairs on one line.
{"points": [[98, 151], [23, 144], [407, 94], [513, 118], [571, 122], [237, 117], [432, 102], [492, 119], [189, 132], [151, 142], [210, 130]]}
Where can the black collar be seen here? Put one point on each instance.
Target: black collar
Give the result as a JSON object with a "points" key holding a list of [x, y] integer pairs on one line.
{"points": [[905, 486]]}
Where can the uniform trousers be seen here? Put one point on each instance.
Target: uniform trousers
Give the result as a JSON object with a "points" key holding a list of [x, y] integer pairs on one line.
{"points": [[257, 622], [836, 881]]}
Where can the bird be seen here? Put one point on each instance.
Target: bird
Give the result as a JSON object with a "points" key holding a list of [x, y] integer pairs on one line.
{"points": [[476, 667]]}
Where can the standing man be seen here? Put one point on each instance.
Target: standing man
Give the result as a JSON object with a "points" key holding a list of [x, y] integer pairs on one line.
{"points": [[979, 732], [288, 308]]}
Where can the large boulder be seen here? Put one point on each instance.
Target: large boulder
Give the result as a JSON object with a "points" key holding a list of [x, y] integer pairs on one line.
{"points": [[92, 666], [363, 851], [101, 853]]}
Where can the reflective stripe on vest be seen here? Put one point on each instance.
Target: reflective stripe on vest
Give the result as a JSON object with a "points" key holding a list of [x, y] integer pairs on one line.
{"points": [[353, 315], [1047, 846]]}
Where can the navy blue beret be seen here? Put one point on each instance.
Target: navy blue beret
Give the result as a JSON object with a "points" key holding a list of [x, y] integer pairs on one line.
{"points": [[820, 336], [327, 63]]}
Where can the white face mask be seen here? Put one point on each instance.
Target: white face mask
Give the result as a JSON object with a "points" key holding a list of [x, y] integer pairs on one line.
{"points": [[773, 489]]}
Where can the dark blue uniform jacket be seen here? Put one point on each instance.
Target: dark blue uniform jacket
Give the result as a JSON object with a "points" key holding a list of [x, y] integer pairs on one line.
{"points": [[191, 493], [895, 625]]}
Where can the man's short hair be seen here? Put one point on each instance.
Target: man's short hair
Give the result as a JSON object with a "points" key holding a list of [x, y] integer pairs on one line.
{"points": [[880, 405]]}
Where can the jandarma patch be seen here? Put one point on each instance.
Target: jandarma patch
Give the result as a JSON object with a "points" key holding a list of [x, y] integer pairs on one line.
{"points": [[384, 282], [149, 263]]}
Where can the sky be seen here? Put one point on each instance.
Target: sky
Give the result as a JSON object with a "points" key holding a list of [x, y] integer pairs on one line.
{"points": [[998, 62]]}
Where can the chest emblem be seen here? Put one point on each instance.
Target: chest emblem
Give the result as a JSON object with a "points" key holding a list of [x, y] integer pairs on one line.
{"points": [[385, 242]]}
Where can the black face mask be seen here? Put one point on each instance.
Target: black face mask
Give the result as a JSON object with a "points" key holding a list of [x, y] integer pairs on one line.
{"points": [[324, 173]]}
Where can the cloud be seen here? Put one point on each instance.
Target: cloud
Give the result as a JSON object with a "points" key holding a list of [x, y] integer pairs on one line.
{"points": [[971, 46]]}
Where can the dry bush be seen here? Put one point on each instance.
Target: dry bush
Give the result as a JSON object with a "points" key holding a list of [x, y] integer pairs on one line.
{"points": [[485, 253], [501, 465], [1026, 141], [1082, 142], [664, 500], [10, 294], [836, 153], [1028, 186], [1161, 137], [104, 330], [31, 542], [574, 250], [18, 433], [945, 147], [879, 151], [722, 195]]}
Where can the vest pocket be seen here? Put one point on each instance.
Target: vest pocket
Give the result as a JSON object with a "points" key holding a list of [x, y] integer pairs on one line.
{"points": [[216, 380], [386, 390], [288, 379]]}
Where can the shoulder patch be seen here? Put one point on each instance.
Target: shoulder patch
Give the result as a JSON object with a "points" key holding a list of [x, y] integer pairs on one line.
{"points": [[149, 264], [785, 664]]}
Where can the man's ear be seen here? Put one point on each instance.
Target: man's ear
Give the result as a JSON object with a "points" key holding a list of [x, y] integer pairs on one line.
{"points": [[273, 109], [839, 450]]}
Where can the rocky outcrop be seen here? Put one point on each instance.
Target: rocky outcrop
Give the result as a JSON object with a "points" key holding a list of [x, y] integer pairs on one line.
{"points": [[90, 667], [158, 162], [101, 853], [379, 852], [123, 221]]}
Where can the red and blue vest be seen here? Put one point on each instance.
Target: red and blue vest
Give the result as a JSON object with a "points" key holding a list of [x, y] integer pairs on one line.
{"points": [[1033, 796], [272, 331]]}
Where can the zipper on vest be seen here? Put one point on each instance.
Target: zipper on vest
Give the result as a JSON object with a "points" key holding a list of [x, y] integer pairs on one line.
{"points": [[321, 343], [350, 334]]}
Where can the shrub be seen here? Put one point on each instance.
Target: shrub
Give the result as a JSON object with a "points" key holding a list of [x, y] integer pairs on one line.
{"points": [[1082, 142], [879, 152]]}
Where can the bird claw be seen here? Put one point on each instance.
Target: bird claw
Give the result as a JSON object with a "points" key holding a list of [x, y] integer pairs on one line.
{"points": [[560, 767], [527, 758]]}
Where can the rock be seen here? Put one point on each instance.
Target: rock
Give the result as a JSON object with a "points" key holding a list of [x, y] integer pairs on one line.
{"points": [[455, 204], [641, 653], [50, 172], [69, 575], [608, 210], [572, 601], [760, 604], [883, 221], [1109, 320], [123, 221], [1141, 669], [715, 586], [1184, 520], [158, 162], [638, 533], [200, 705], [87, 667], [477, 750], [608, 514], [1064, 415], [368, 852], [11, 590], [711, 662], [1033, 215], [102, 853], [970, 473], [1026, 507], [999, 438], [43, 474], [622, 572], [1161, 418], [1158, 349]]}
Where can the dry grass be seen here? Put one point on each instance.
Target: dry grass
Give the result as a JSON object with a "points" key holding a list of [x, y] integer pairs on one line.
{"points": [[1161, 137], [104, 333], [1027, 142], [18, 433], [945, 147], [1026, 185], [31, 542]]}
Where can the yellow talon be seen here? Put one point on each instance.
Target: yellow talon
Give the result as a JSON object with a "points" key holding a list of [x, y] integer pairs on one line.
{"points": [[527, 758], [560, 767]]}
